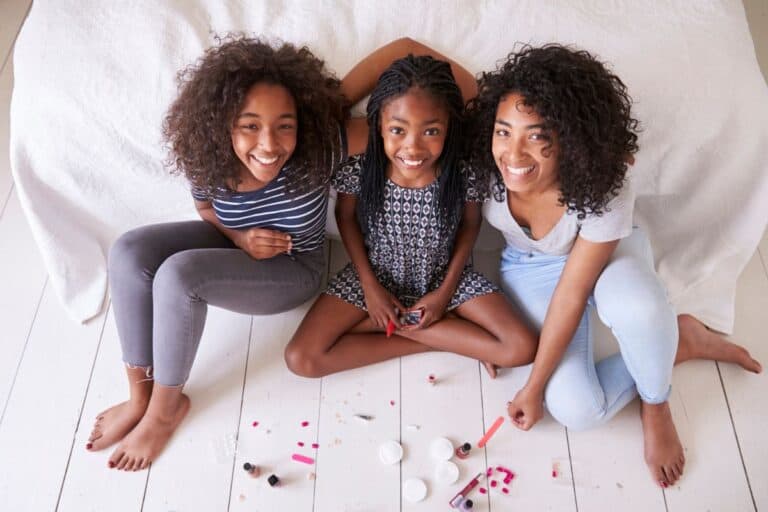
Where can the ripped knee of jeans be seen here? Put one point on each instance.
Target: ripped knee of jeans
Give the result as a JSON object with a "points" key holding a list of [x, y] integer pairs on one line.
{"points": [[148, 371]]}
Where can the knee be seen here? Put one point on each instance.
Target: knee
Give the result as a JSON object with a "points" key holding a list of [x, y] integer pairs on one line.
{"points": [[301, 362], [521, 351], [178, 274], [639, 310], [574, 412], [127, 254]]}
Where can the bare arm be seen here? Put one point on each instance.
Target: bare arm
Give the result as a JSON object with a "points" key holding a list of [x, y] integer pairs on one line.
{"points": [[257, 242], [380, 303], [435, 302], [362, 78], [584, 265]]}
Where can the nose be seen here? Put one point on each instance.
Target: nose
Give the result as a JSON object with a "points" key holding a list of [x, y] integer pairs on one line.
{"points": [[515, 151], [413, 142], [267, 140]]}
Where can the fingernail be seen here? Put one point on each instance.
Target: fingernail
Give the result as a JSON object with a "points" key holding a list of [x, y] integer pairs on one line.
{"points": [[89, 446]]}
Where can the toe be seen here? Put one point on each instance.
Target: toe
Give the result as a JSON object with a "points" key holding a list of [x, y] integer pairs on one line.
{"points": [[124, 461], [145, 463], [115, 457], [658, 475]]}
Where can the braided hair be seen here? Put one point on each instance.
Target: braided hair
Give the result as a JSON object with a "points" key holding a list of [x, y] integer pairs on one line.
{"points": [[434, 77]]}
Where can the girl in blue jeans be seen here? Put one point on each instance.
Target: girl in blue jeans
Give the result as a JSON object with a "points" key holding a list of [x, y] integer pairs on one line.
{"points": [[561, 136]]}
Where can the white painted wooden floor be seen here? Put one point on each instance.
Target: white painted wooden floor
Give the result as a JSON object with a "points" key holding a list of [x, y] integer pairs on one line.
{"points": [[55, 376]]}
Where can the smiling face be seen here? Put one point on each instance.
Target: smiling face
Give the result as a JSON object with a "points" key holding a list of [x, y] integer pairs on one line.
{"points": [[264, 133], [524, 150], [413, 128]]}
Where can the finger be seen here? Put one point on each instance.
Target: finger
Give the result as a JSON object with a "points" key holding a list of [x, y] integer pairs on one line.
{"points": [[398, 304], [269, 233]]}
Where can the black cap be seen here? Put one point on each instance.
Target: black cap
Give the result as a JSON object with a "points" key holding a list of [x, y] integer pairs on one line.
{"points": [[466, 447], [272, 480], [468, 504], [248, 466]]}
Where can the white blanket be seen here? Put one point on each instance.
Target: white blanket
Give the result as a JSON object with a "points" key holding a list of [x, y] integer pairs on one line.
{"points": [[93, 80]]}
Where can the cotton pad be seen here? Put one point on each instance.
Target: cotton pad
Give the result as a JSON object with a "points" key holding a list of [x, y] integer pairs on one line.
{"points": [[390, 452], [446, 472], [414, 490], [441, 449]]}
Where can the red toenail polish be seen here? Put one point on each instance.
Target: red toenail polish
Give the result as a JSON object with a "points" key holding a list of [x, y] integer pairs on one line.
{"points": [[111, 464], [89, 446]]}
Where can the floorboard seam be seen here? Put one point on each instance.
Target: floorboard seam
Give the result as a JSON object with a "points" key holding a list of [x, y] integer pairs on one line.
{"points": [[15, 37], [570, 464], [482, 418], [82, 405], [736, 436], [240, 415], [23, 351], [7, 198], [317, 440]]}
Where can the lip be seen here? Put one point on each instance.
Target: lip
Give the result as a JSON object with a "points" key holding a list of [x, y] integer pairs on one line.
{"points": [[264, 161], [519, 172], [412, 163]]}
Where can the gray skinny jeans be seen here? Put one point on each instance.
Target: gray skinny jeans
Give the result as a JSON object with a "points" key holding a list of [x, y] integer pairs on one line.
{"points": [[163, 277]]}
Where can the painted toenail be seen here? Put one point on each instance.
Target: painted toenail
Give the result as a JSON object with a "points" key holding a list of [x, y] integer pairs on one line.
{"points": [[112, 464], [89, 446]]}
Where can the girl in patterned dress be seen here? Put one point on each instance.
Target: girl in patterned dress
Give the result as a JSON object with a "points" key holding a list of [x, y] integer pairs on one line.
{"points": [[409, 215]]}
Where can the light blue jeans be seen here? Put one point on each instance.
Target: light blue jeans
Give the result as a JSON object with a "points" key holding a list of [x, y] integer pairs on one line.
{"points": [[632, 302]]}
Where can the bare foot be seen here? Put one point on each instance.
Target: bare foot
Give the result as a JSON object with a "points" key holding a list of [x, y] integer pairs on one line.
{"points": [[145, 442], [491, 368], [113, 424], [663, 451], [698, 342]]}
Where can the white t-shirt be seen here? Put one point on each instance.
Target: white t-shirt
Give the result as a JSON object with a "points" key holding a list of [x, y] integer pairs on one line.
{"points": [[615, 223]]}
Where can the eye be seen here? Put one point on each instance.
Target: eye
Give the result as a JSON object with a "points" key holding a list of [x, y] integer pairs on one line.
{"points": [[286, 126], [249, 126], [396, 130], [501, 132], [539, 136], [432, 131]]}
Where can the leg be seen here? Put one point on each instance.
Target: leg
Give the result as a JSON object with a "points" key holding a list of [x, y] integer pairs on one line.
{"points": [[576, 394], [321, 346], [699, 342], [485, 328], [183, 287], [632, 302], [133, 262]]}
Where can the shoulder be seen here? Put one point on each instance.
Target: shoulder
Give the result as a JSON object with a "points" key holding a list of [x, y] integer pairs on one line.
{"points": [[346, 178]]}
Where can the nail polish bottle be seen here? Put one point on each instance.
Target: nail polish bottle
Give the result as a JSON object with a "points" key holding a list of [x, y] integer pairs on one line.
{"points": [[462, 451]]}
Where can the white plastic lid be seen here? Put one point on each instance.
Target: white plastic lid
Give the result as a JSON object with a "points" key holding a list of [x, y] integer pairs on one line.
{"points": [[446, 472], [390, 452], [441, 449], [414, 490]]}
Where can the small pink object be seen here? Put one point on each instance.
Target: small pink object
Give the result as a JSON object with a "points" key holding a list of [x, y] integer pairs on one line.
{"points": [[502, 469], [494, 483], [483, 490], [554, 474], [315, 445], [300, 443], [505, 490], [392, 403], [304, 423], [302, 458], [255, 423], [491, 431], [489, 472]]}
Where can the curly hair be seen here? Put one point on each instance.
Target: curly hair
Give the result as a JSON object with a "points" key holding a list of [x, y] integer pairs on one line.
{"points": [[582, 102], [434, 77], [198, 125]]}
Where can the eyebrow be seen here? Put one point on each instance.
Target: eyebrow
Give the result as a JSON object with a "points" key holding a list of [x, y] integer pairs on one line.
{"points": [[287, 115], [529, 127], [431, 121]]}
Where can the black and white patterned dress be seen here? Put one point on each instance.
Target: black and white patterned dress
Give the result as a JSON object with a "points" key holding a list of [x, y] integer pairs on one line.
{"points": [[407, 253]]}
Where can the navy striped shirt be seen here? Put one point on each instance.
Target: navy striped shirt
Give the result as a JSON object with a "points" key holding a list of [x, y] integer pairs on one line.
{"points": [[302, 215]]}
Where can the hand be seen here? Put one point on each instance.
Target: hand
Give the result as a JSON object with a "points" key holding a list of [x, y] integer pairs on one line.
{"points": [[526, 409], [381, 305], [262, 244], [432, 307]]}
